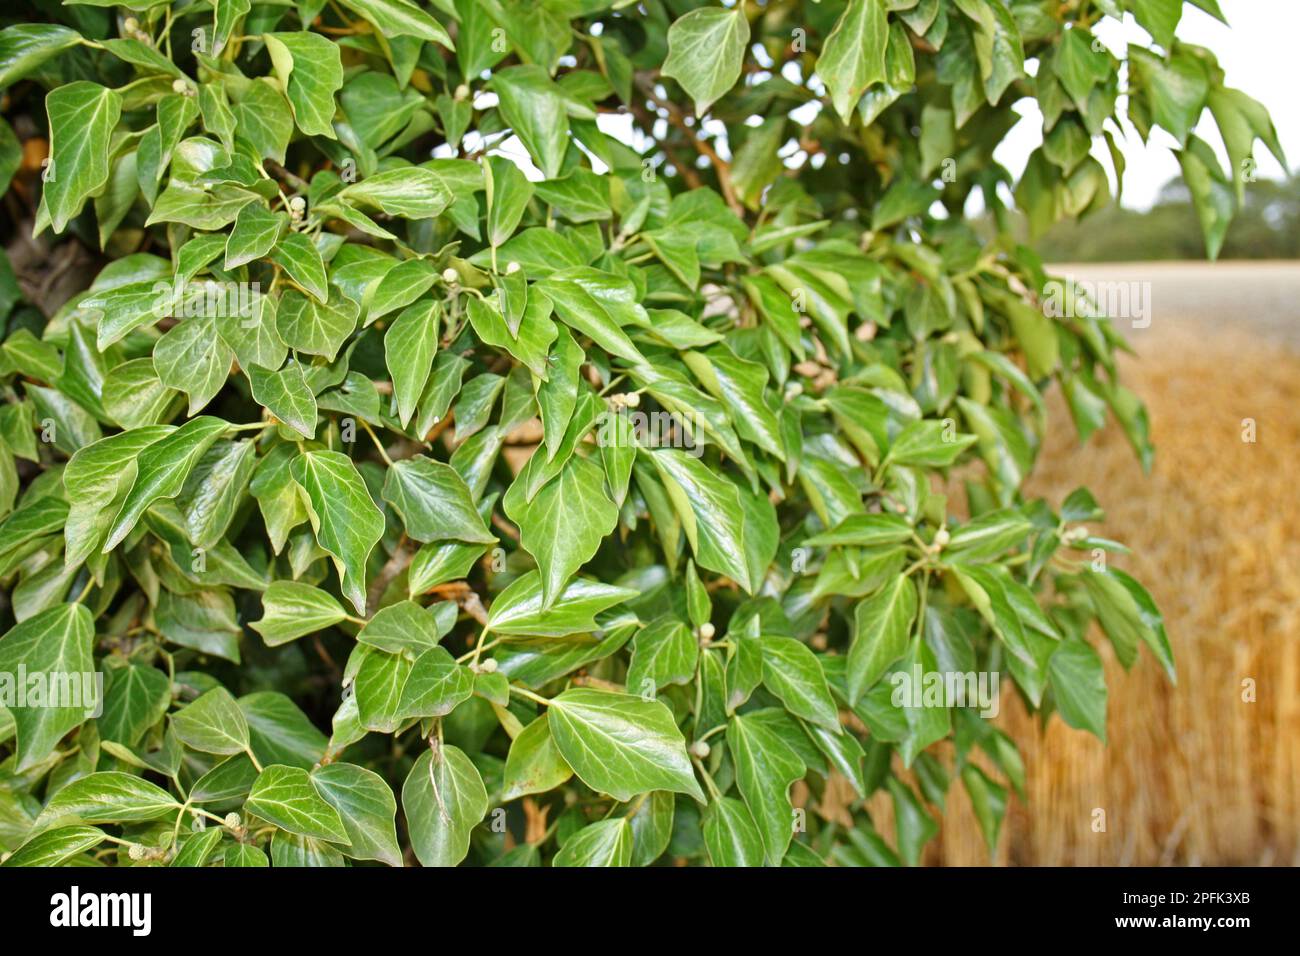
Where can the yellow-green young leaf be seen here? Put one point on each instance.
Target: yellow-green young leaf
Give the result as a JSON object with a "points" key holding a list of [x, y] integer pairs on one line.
{"points": [[536, 108], [311, 71], [620, 744], [192, 358], [196, 848], [291, 610], [508, 195], [25, 46], [663, 652], [988, 800], [56, 644], [881, 629], [711, 512], [913, 827], [239, 855], [928, 444], [412, 192], [443, 799], [605, 843], [434, 502], [135, 698], [55, 847], [287, 797], [213, 724], [706, 49], [518, 609], [409, 346], [299, 257], [93, 479], [161, 470], [344, 517], [730, 835], [397, 18], [853, 56], [793, 673], [564, 524], [1079, 686], [254, 234], [534, 764], [108, 797], [315, 327], [766, 766], [287, 396], [82, 117]]}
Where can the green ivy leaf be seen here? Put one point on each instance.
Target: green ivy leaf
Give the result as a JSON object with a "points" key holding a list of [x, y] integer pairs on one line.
{"points": [[706, 48], [287, 797], [82, 117], [620, 744], [444, 799], [343, 515]]}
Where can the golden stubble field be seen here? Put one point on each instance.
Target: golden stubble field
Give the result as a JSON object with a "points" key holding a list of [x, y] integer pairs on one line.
{"points": [[1194, 774]]}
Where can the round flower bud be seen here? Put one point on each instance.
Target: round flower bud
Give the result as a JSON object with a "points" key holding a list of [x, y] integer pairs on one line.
{"points": [[136, 851], [462, 91], [489, 666], [512, 268], [450, 275], [298, 203], [632, 399], [232, 820], [701, 749], [179, 86], [707, 631], [941, 537], [130, 24]]}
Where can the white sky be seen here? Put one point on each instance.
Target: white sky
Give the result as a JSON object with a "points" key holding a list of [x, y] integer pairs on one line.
{"points": [[1258, 55]]}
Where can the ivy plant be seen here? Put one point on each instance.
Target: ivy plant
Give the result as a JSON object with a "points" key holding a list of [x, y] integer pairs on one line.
{"points": [[557, 433]]}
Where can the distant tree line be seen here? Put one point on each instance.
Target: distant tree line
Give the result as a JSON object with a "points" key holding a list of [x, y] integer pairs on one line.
{"points": [[1266, 227]]}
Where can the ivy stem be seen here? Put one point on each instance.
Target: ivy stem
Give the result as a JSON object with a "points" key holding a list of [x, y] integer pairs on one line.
{"points": [[90, 583], [525, 692], [637, 806], [708, 734], [478, 647], [378, 444], [176, 830], [708, 780]]}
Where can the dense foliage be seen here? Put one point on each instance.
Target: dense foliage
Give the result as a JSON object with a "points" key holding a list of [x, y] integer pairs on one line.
{"points": [[554, 432]]}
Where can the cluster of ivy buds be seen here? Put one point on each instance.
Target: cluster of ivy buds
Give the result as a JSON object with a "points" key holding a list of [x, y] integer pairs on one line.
{"points": [[131, 28]]}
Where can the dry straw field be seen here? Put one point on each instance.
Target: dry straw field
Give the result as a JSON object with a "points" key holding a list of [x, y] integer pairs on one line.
{"points": [[1194, 774]]}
